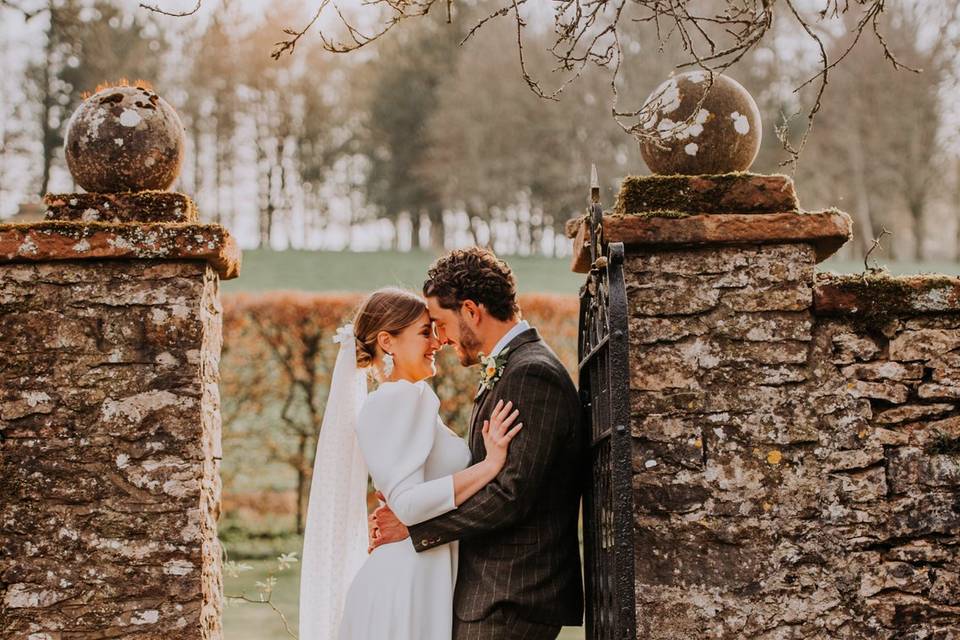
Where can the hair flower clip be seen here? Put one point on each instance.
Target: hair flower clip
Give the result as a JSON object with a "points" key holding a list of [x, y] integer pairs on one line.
{"points": [[344, 334]]}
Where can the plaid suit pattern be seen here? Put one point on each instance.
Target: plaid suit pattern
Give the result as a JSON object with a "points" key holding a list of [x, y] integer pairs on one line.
{"points": [[519, 550]]}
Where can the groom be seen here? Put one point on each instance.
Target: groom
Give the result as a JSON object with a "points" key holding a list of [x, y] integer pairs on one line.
{"points": [[519, 572]]}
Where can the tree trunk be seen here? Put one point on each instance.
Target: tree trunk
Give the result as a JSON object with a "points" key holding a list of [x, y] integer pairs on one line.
{"points": [[919, 216], [414, 230], [218, 171], [303, 481], [197, 169], [265, 171], [266, 216], [863, 212], [282, 192], [46, 131], [437, 235], [472, 230]]}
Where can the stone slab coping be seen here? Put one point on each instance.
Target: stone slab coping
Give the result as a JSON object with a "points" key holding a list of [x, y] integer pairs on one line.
{"points": [[68, 240], [725, 193], [827, 231], [138, 206], [878, 295]]}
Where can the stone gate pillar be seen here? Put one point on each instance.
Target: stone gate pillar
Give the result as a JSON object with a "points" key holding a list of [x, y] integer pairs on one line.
{"points": [[795, 437], [110, 336], [110, 428]]}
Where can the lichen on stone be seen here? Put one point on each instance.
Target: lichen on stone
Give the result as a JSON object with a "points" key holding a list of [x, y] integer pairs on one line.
{"points": [[60, 239], [130, 206]]}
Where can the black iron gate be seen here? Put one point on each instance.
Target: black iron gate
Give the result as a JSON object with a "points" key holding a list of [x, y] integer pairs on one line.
{"points": [[608, 492]]}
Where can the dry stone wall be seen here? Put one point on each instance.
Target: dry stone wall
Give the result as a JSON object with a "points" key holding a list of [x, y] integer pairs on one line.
{"points": [[796, 475], [110, 431]]}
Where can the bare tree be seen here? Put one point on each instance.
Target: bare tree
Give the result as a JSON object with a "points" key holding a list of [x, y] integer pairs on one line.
{"points": [[881, 143], [713, 34]]}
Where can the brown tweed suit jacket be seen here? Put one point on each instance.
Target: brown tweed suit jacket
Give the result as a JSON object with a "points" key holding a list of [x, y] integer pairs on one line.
{"points": [[518, 535]]}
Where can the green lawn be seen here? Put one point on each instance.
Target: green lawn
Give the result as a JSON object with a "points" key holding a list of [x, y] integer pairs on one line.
{"points": [[265, 270], [244, 621], [896, 268]]}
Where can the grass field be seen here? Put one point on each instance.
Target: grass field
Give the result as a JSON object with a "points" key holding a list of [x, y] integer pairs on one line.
{"points": [[244, 621], [896, 268], [265, 270]]}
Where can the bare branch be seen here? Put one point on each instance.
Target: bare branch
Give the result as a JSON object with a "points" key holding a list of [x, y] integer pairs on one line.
{"points": [[289, 45], [176, 14], [16, 6], [876, 244], [242, 597]]}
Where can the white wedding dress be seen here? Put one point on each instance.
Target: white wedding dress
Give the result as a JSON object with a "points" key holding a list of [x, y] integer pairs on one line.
{"points": [[400, 594]]}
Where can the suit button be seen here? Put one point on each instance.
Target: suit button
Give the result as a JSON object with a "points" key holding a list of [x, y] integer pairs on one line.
{"points": [[424, 543]]}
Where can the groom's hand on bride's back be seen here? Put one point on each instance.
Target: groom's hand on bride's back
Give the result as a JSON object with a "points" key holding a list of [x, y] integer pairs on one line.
{"points": [[385, 527]]}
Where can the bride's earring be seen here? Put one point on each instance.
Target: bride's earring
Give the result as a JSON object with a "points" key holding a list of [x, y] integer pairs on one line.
{"points": [[387, 365]]}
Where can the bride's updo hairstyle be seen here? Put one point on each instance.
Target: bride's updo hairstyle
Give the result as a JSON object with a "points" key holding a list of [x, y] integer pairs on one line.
{"points": [[391, 310]]}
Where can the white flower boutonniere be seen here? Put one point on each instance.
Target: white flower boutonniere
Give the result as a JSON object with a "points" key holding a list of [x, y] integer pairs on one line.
{"points": [[491, 368]]}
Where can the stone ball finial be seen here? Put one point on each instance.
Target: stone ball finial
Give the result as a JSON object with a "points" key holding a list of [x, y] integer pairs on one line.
{"points": [[723, 135], [124, 138]]}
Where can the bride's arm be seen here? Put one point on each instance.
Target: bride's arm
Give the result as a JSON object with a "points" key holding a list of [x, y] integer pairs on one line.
{"points": [[396, 429], [498, 434]]}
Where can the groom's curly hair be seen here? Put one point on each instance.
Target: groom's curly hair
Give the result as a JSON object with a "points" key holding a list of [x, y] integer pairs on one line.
{"points": [[473, 274]]}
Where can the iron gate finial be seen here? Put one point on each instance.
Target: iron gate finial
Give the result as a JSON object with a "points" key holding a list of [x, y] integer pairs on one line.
{"points": [[595, 216], [594, 185]]}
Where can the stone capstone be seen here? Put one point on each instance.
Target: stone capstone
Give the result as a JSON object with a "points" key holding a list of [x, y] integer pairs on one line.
{"points": [[880, 295], [825, 231], [65, 240], [140, 206], [690, 195]]}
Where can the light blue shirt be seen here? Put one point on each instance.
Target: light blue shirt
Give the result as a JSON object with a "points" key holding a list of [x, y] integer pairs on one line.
{"points": [[514, 331]]}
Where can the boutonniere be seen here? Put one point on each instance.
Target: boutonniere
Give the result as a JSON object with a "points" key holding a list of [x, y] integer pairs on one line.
{"points": [[491, 368]]}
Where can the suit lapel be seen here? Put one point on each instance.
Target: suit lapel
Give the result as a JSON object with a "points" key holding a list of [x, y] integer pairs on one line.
{"points": [[474, 427], [475, 438]]}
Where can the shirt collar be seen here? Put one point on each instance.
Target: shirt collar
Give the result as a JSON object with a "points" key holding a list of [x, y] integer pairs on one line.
{"points": [[514, 331]]}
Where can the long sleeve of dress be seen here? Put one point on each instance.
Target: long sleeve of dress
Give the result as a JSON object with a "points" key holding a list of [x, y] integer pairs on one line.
{"points": [[396, 429]]}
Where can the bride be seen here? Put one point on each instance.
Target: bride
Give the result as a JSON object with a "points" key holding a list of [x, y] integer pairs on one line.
{"points": [[416, 462]]}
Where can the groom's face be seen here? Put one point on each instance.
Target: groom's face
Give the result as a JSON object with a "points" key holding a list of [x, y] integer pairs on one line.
{"points": [[454, 329]]}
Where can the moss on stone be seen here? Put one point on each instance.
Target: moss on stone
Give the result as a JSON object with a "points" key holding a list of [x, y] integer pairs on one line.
{"points": [[662, 213], [740, 192], [876, 297]]}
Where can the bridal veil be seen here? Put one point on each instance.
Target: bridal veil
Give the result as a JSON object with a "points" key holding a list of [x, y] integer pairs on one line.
{"points": [[335, 537]]}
